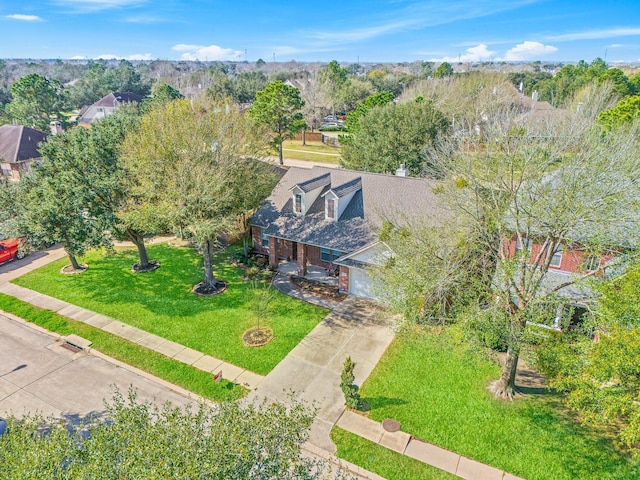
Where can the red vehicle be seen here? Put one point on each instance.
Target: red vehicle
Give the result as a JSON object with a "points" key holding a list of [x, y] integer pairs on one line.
{"points": [[10, 249]]}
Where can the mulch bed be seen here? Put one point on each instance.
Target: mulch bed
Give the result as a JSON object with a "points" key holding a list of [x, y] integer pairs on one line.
{"points": [[69, 270], [153, 265], [318, 288], [208, 290], [257, 336]]}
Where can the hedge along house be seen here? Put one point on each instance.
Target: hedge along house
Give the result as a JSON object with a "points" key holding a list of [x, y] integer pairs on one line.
{"points": [[330, 218]]}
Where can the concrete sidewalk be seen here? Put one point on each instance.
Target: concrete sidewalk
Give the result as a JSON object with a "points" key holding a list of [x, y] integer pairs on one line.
{"points": [[356, 328], [434, 455]]}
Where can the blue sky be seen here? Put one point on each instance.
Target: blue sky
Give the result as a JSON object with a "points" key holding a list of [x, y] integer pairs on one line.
{"points": [[348, 31]]}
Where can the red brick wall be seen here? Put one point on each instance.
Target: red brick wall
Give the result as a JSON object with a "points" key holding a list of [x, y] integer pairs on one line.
{"points": [[572, 260], [313, 257], [284, 249], [343, 280], [257, 240]]}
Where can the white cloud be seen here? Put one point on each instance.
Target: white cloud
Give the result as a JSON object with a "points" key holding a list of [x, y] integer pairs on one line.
{"points": [[84, 6], [25, 18], [473, 54], [210, 53], [139, 56], [78, 57], [597, 34], [528, 51], [615, 45]]}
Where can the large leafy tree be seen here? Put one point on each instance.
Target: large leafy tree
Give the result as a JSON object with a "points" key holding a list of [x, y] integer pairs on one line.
{"points": [[55, 207], [36, 101], [197, 164], [278, 107], [140, 440], [390, 135], [556, 187], [601, 375]]}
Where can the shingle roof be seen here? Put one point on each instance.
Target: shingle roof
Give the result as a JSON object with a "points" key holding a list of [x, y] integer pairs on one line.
{"points": [[19, 143], [347, 188], [313, 183], [114, 99], [398, 199]]}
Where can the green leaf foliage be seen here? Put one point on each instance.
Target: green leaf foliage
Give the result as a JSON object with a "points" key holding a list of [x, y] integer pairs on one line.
{"points": [[395, 134], [278, 107], [139, 440]]}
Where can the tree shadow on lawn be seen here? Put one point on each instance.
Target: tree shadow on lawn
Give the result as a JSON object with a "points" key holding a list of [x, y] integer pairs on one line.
{"points": [[374, 403], [585, 451], [163, 291]]}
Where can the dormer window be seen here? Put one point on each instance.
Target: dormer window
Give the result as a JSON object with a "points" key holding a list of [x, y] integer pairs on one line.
{"points": [[298, 203], [331, 209]]}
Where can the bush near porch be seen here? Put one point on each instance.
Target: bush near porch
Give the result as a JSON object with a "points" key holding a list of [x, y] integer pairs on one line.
{"points": [[161, 302]]}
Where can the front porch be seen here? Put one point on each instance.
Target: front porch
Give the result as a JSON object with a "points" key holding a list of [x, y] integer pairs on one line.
{"points": [[318, 274]]}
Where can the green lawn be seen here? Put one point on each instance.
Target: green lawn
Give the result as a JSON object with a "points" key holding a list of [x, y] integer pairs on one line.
{"points": [[152, 362], [161, 302], [436, 389], [312, 151], [378, 459]]}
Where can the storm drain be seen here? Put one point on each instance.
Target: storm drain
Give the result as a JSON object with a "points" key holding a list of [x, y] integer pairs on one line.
{"points": [[76, 343], [73, 348]]}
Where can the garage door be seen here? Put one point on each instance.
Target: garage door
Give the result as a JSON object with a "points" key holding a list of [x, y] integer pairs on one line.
{"points": [[360, 283]]}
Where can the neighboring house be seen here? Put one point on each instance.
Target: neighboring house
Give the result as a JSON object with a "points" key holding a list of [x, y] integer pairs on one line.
{"points": [[106, 106], [19, 149], [568, 263], [331, 218]]}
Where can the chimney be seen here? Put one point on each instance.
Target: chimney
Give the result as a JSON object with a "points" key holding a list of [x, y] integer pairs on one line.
{"points": [[402, 171], [56, 127]]}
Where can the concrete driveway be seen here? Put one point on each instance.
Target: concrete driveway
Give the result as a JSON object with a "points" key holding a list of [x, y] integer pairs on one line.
{"points": [[355, 328], [38, 374]]}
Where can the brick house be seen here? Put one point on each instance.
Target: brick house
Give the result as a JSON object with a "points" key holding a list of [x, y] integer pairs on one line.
{"points": [[19, 149], [330, 218]]}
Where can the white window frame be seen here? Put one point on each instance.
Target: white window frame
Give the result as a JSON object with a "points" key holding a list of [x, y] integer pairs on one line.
{"points": [[526, 241], [295, 203], [556, 254], [335, 208], [591, 263], [264, 239]]}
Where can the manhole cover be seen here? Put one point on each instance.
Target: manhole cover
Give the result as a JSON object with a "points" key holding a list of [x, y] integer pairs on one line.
{"points": [[391, 425]]}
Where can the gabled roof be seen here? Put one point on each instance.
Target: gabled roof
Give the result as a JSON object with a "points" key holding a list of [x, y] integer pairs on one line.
{"points": [[381, 197], [346, 188], [19, 143], [313, 183], [114, 99]]}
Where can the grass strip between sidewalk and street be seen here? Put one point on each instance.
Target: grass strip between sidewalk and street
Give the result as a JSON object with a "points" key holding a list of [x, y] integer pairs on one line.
{"points": [[173, 371]]}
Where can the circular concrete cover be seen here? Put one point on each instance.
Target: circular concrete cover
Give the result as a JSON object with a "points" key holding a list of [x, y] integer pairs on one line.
{"points": [[391, 425]]}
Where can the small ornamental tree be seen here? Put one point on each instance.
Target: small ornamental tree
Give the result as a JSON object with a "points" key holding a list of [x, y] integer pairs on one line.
{"points": [[350, 390]]}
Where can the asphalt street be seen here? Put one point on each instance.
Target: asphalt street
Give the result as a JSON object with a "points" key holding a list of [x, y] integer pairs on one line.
{"points": [[38, 374]]}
